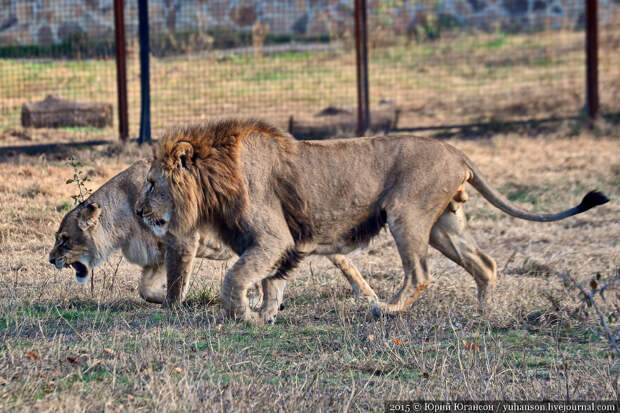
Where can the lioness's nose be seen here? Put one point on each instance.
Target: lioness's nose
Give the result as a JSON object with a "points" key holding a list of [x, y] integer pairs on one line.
{"points": [[139, 212], [52, 261]]}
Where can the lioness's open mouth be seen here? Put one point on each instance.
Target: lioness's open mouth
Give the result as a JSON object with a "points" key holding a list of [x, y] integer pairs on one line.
{"points": [[81, 272]]}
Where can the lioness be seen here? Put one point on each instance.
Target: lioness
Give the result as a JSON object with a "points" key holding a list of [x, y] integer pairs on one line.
{"points": [[105, 222], [274, 199]]}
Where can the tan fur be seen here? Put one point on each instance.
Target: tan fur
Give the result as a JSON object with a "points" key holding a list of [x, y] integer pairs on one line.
{"points": [[81, 236], [106, 222], [274, 200]]}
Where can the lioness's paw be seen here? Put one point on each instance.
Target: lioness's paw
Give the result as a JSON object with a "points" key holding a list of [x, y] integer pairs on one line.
{"points": [[251, 317], [268, 317], [270, 320], [246, 315]]}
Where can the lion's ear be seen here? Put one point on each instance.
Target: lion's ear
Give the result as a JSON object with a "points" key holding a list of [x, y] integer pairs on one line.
{"points": [[182, 154], [88, 217]]}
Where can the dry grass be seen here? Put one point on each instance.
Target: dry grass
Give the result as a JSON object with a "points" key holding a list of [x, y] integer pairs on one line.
{"points": [[65, 348], [462, 78]]}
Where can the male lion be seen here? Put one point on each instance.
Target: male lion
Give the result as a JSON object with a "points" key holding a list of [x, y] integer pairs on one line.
{"points": [[273, 200], [105, 222]]}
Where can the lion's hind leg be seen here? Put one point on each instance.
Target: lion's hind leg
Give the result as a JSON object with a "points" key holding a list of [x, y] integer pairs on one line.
{"points": [[351, 273], [450, 235], [411, 241]]}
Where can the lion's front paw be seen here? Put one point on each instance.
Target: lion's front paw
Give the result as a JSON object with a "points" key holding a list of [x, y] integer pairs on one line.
{"points": [[269, 315], [270, 319], [245, 314], [251, 317]]}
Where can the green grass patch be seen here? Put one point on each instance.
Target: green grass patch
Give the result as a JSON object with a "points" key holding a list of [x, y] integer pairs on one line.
{"points": [[77, 45], [157, 317], [64, 207], [521, 338], [83, 129], [496, 43], [70, 315], [544, 62], [204, 296], [50, 315], [293, 56], [269, 77], [521, 193], [527, 360]]}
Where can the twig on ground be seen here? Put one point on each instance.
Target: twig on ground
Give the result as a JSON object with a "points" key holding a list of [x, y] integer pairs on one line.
{"points": [[115, 272], [512, 256], [588, 297]]}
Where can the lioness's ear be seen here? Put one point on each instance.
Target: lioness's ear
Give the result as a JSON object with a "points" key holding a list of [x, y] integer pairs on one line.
{"points": [[88, 217], [182, 154]]}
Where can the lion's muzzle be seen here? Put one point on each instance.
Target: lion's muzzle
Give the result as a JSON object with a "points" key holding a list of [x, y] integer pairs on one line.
{"points": [[157, 224], [59, 262]]}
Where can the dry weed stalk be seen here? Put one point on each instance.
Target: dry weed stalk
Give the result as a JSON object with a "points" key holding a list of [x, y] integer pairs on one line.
{"points": [[201, 40], [80, 179], [259, 34], [339, 32], [588, 298]]}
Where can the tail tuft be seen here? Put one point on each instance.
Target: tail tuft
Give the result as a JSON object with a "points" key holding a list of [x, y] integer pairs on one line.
{"points": [[592, 199]]}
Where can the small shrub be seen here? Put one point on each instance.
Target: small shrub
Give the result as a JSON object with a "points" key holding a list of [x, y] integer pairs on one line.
{"points": [[80, 179]]}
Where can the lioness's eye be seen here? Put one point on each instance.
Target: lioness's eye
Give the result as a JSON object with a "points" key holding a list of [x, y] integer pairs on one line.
{"points": [[149, 189]]}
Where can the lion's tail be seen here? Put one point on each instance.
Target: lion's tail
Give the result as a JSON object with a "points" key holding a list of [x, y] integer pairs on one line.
{"points": [[591, 200]]}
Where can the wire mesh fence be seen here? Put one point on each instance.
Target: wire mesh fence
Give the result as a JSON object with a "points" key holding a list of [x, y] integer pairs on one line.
{"points": [[444, 62], [609, 57], [64, 49], [249, 59], [449, 69]]}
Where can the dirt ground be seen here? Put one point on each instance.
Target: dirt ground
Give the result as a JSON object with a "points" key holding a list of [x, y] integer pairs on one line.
{"points": [[67, 347]]}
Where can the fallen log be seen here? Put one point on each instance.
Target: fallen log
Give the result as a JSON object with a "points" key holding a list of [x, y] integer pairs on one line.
{"points": [[342, 121], [55, 112]]}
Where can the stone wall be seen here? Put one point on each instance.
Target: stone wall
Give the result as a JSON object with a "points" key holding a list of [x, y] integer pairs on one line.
{"points": [[28, 22]]}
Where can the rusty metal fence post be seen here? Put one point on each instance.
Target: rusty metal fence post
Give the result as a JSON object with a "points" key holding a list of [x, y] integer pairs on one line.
{"points": [[121, 68], [361, 55], [145, 77], [592, 103]]}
